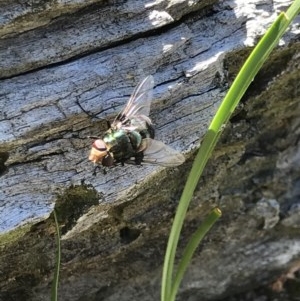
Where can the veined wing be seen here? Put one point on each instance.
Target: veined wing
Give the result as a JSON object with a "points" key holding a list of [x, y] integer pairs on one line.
{"points": [[137, 123], [156, 152], [138, 104]]}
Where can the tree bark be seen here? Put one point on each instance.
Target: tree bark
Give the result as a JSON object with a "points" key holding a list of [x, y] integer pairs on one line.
{"points": [[115, 226]]}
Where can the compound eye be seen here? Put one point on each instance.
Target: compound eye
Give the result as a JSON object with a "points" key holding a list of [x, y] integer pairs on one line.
{"points": [[99, 145]]}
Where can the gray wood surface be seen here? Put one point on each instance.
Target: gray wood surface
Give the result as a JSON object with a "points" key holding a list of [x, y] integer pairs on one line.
{"points": [[55, 53]]}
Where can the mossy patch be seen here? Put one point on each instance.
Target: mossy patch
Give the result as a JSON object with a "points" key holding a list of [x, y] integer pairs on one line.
{"points": [[13, 235], [74, 202], [275, 65], [30, 250]]}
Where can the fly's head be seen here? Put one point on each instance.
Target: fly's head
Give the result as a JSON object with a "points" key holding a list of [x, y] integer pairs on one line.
{"points": [[100, 153]]}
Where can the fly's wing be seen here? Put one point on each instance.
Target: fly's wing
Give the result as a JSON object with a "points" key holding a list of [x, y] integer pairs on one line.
{"points": [[138, 105], [156, 152]]}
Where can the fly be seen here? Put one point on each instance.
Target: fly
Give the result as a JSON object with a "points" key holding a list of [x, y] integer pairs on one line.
{"points": [[130, 138]]}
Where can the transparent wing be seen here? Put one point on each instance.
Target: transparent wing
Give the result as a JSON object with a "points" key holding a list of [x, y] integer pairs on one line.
{"points": [[156, 152], [137, 123], [139, 102]]}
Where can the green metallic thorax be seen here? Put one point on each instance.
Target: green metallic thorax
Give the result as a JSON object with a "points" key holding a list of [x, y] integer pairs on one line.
{"points": [[124, 145], [121, 144]]}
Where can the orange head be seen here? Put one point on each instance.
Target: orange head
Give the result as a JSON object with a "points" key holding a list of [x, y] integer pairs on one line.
{"points": [[100, 154]]}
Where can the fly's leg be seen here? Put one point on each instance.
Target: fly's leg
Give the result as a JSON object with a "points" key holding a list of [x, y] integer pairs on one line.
{"points": [[138, 158], [122, 162], [103, 170], [95, 171]]}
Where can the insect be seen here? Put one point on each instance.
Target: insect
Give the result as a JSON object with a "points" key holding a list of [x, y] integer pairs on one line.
{"points": [[130, 138]]}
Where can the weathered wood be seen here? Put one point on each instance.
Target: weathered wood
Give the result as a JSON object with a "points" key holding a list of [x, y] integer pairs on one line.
{"points": [[41, 106], [61, 32], [53, 54]]}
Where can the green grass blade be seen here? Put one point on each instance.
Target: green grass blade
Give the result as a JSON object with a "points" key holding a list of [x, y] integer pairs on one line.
{"points": [[252, 65], [238, 88], [54, 289], [191, 247], [293, 11], [204, 152]]}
